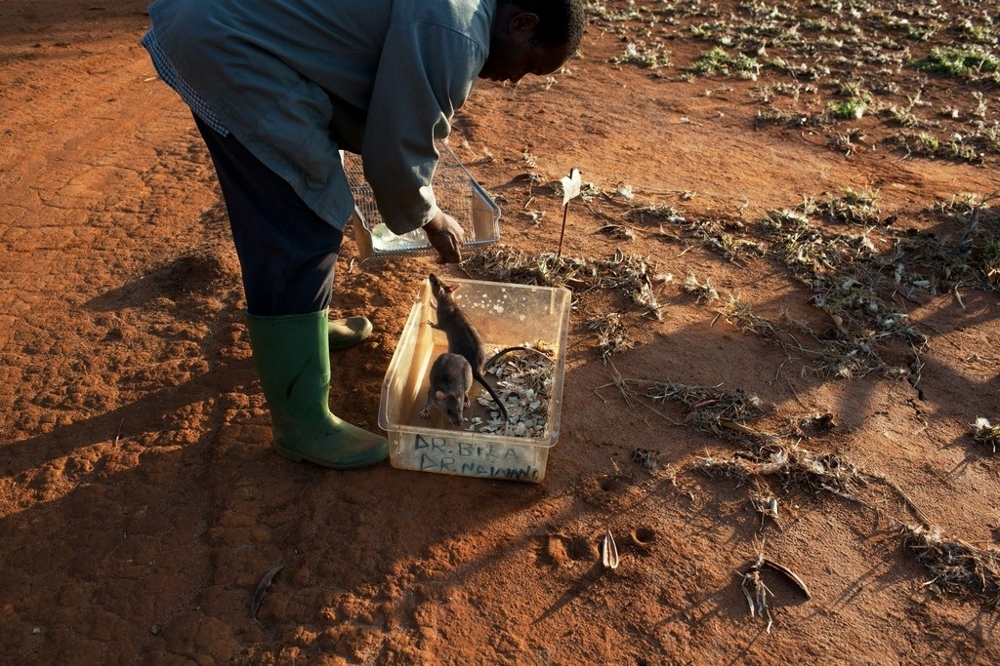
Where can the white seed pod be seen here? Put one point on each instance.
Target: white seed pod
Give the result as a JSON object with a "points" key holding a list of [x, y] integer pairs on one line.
{"points": [[609, 552]]}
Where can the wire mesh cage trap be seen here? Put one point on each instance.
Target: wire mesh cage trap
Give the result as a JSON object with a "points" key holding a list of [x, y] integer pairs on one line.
{"points": [[457, 193]]}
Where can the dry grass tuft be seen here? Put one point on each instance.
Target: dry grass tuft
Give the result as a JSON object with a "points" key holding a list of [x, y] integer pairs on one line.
{"points": [[957, 567], [627, 273], [851, 208], [703, 293], [852, 282], [709, 409], [792, 465], [612, 334], [985, 432]]}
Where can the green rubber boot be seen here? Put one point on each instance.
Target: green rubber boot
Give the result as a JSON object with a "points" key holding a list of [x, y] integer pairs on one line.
{"points": [[292, 354]]}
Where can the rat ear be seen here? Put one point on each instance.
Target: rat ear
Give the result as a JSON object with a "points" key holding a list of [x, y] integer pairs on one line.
{"points": [[441, 396]]}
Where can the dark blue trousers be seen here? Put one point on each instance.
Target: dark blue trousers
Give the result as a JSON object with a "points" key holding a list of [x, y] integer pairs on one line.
{"points": [[286, 251]]}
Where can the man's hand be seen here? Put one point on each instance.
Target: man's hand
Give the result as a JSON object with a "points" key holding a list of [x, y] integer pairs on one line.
{"points": [[446, 236]]}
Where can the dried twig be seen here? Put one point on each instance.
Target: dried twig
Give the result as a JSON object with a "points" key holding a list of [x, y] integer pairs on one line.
{"points": [[757, 592]]}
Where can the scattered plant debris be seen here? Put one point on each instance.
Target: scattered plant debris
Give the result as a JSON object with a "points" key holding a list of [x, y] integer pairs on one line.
{"points": [[843, 50], [793, 465], [627, 273], [648, 459], [757, 592], [718, 235], [957, 567], [985, 432], [709, 409], [617, 231], [647, 56], [612, 334], [703, 293], [851, 208]]}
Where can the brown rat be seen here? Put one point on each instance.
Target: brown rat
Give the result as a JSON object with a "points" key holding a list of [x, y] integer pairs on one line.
{"points": [[463, 338], [450, 381]]}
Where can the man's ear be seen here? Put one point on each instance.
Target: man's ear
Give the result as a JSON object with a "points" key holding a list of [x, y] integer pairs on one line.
{"points": [[524, 22]]}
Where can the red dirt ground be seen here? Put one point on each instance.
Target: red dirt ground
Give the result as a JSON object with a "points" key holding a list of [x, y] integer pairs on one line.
{"points": [[141, 503]]}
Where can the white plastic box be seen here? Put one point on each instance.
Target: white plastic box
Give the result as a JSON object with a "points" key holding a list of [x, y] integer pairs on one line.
{"points": [[505, 315]]}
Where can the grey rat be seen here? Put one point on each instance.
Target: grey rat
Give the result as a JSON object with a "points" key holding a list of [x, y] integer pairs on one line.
{"points": [[463, 338], [450, 381]]}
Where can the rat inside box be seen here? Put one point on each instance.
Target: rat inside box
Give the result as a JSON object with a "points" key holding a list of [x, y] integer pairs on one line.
{"points": [[505, 315]]}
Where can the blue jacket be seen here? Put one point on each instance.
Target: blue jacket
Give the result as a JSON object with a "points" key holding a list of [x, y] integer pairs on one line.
{"points": [[296, 81]]}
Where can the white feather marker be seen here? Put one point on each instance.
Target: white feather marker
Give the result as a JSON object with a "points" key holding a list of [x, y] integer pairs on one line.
{"points": [[571, 190]]}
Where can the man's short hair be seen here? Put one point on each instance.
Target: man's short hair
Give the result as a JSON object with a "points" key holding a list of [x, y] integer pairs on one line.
{"points": [[559, 21]]}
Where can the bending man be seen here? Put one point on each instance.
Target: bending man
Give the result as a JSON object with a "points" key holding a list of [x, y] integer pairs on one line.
{"points": [[277, 89]]}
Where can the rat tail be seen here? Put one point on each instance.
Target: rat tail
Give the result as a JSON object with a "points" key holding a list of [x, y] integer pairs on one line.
{"points": [[493, 394]]}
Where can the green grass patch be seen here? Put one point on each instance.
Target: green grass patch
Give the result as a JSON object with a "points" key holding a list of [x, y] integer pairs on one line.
{"points": [[719, 61], [954, 61]]}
